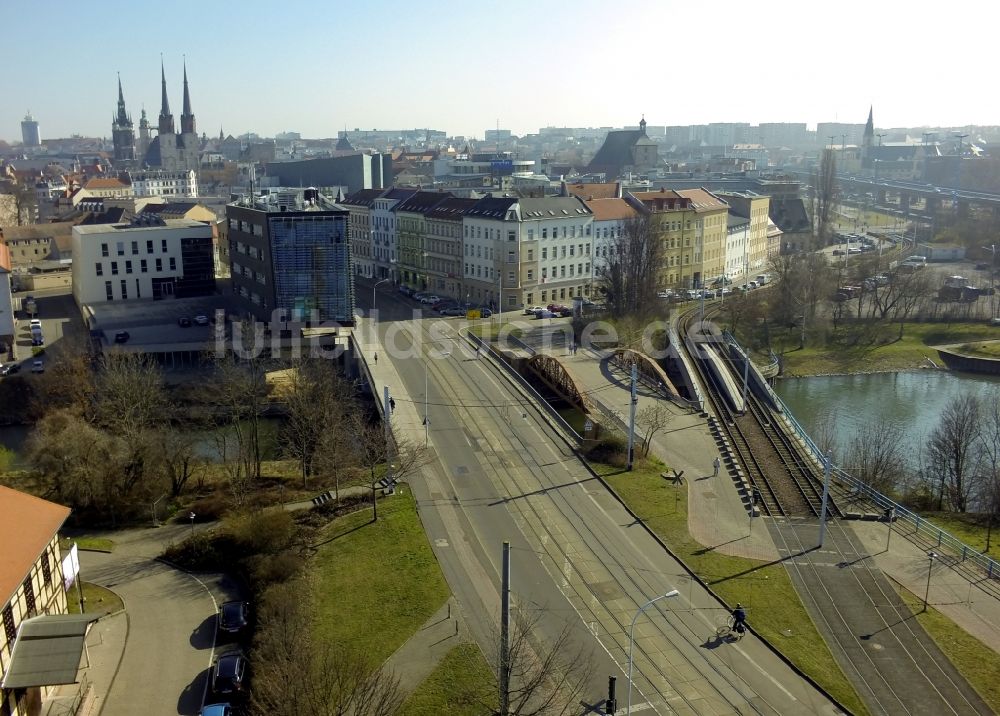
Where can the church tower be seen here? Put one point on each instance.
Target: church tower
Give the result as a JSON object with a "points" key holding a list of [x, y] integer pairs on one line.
{"points": [[187, 118], [868, 140], [122, 132], [144, 137]]}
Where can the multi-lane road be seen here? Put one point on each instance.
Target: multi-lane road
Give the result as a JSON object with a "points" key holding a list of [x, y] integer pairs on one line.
{"points": [[579, 559]]}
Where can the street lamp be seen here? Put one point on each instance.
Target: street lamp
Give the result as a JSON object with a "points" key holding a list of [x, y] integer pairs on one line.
{"points": [[930, 563], [385, 280], [631, 641], [427, 421], [191, 517]]}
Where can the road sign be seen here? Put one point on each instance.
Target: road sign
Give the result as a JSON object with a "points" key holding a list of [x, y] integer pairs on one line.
{"points": [[588, 425], [472, 314]]}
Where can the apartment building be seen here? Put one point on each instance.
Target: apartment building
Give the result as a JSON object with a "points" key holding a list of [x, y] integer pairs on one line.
{"points": [[384, 231], [166, 183], [556, 251], [755, 209], [443, 246], [413, 257], [31, 584], [611, 217], [147, 258], [359, 208]]}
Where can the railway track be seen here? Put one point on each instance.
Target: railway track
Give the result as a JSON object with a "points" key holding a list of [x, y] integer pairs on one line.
{"points": [[784, 481]]}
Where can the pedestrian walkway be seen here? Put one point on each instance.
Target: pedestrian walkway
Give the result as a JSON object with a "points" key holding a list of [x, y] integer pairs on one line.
{"points": [[417, 658], [717, 516]]}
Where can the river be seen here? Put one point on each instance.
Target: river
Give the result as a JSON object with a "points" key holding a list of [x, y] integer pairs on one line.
{"points": [[913, 399]]}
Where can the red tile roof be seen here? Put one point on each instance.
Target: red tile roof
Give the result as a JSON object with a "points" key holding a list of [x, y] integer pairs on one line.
{"points": [[611, 209], [105, 183], [608, 190], [27, 525]]}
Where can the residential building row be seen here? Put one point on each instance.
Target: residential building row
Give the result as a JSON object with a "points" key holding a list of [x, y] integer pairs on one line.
{"points": [[516, 251]]}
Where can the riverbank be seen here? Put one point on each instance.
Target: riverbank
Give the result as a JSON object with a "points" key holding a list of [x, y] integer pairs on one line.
{"points": [[878, 349]]}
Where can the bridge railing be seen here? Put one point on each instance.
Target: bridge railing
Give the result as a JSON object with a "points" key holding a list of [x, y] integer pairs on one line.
{"points": [[481, 345], [927, 531]]}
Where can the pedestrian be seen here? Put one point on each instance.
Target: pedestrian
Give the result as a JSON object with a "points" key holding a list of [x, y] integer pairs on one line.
{"points": [[392, 405], [376, 359], [716, 464]]}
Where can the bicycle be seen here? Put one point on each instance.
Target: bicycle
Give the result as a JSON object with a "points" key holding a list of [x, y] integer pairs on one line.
{"points": [[729, 630]]}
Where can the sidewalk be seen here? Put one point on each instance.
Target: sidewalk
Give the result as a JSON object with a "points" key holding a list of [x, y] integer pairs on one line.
{"points": [[417, 658], [717, 517]]}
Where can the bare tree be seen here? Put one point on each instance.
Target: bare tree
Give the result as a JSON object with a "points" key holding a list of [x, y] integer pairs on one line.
{"points": [[802, 282], [298, 673], [653, 418], [25, 201], [824, 433], [628, 274], [315, 397], [176, 453], [825, 183], [374, 447], [545, 678], [990, 497], [875, 455], [953, 451]]}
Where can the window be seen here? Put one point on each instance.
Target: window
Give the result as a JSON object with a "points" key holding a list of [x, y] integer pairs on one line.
{"points": [[545, 235], [100, 268], [571, 250], [135, 248], [531, 236], [572, 231], [138, 294], [128, 267], [530, 298], [142, 265], [511, 236], [510, 277], [114, 268], [9, 628], [107, 291], [173, 263], [104, 249], [564, 252], [531, 254], [545, 273], [545, 254], [149, 244], [46, 569], [531, 275], [124, 290], [163, 245], [159, 264], [511, 256], [120, 246], [29, 597]]}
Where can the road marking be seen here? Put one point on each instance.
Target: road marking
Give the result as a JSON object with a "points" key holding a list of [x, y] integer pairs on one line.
{"points": [[567, 572], [215, 634], [767, 675]]}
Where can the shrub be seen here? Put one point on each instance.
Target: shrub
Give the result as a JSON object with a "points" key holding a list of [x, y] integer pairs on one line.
{"points": [[610, 449]]}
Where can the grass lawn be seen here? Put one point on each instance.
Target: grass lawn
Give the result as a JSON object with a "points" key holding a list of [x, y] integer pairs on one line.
{"points": [[982, 350], [379, 581], [96, 600], [875, 348], [774, 607], [978, 663], [970, 528], [463, 684], [92, 544]]}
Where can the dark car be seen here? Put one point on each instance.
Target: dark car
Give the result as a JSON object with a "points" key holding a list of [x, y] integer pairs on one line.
{"points": [[184, 322], [453, 311], [216, 710], [10, 369], [233, 616], [227, 675], [201, 319], [443, 304], [566, 312], [485, 312], [122, 337]]}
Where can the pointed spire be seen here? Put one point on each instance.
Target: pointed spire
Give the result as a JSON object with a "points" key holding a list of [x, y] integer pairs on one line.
{"points": [[187, 97], [166, 125], [870, 126], [121, 96]]}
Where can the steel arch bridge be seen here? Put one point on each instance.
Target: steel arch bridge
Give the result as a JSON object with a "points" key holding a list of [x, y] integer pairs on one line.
{"points": [[648, 370], [551, 372]]}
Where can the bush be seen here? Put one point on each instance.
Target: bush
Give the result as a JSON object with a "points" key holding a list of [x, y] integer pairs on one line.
{"points": [[267, 570], [267, 532], [610, 449]]}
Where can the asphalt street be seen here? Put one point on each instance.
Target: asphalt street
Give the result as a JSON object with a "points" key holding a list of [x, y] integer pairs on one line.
{"points": [[579, 560], [171, 625]]}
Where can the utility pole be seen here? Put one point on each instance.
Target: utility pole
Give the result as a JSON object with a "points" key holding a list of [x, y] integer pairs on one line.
{"points": [[505, 632], [826, 494], [631, 417]]}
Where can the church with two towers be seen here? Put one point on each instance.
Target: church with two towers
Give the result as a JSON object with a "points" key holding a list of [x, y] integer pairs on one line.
{"points": [[167, 149]]}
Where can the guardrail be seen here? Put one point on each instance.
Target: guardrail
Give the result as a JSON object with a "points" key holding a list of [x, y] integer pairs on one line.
{"points": [[525, 385], [926, 530]]}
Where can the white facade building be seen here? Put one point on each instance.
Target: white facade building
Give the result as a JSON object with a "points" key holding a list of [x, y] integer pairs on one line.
{"points": [[737, 248], [163, 182], [385, 233], [142, 260]]}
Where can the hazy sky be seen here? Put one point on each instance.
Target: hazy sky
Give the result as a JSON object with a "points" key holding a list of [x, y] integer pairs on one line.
{"points": [[316, 67]]}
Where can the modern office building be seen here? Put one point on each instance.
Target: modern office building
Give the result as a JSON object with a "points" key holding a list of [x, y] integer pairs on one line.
{"points": [[148, 257], [290, 251], [30, 134]]}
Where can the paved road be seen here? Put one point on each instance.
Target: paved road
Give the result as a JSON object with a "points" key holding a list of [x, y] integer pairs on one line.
{"points": [[892, 662], [579, 559], [172, 627]]}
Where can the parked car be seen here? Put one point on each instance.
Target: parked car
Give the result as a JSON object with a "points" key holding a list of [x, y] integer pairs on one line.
{"points": [[228, 673], [417, 295], [485, 312], [122, 337], [531, 311], [217, 710], [839, 252], [854, 250], [566, 312], [37, 366], [10, 369], [34, 322], [184, 322], [453, 311], [555, 307], [405, 290], [443, 304], [544, 313], [430, 299], [233, 616], [201, 320]]}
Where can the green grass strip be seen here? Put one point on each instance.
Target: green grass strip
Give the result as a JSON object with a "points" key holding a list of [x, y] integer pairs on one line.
{"points": [[377, 582], [463, 684], [776, 611]]}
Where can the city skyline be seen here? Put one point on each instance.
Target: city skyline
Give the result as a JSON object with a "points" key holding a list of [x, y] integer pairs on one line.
{"points": [[323, 69]]}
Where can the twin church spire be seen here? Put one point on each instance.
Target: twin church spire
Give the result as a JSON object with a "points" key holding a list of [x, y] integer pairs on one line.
{"points": [[122, 127]]}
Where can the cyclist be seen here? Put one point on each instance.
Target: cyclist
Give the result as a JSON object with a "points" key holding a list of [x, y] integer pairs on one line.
{"points": [[739, 619]]}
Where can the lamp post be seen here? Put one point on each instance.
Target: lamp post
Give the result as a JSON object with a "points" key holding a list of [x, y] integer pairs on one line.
{"points": [[385, 280], [930, 563], [427, 421], [631, 641], [191, 517]]}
